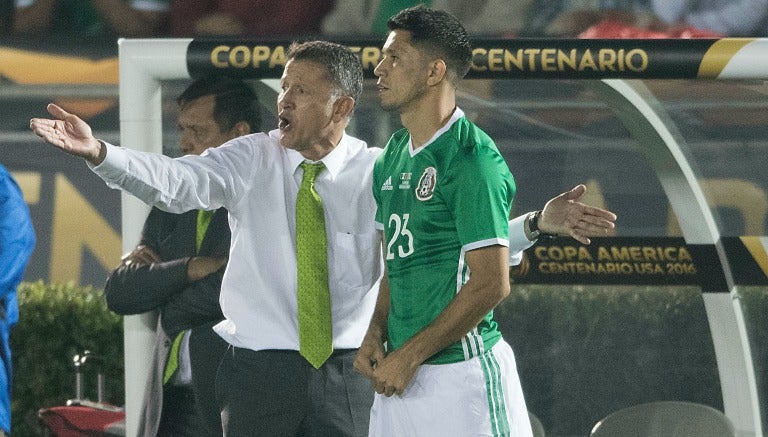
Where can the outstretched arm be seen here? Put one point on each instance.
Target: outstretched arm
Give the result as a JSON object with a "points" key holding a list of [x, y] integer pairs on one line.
{"points": [[562, 215], [69, 133], [566, 215]]}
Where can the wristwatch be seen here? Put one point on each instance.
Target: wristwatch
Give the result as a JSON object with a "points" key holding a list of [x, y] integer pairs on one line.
{"points": [[534, 233]]}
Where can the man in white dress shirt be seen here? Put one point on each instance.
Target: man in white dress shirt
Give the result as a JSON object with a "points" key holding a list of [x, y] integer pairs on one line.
{"points": [[265, 387]]}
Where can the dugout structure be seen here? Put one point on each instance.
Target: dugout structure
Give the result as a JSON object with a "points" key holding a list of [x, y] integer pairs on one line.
{"points": [[614, 70]]}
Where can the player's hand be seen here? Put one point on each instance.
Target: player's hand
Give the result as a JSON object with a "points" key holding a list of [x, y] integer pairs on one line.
{"points": [[393, 374], [69, 133], [140, 255], [371, 352], [566, 215]]}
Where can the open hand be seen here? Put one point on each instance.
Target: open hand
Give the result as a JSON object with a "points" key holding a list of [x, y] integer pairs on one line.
{"points": [[565, 215], [69, 133]]}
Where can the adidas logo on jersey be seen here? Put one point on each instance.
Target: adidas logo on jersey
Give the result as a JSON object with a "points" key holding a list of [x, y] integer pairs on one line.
{"points": [[387, 185]]}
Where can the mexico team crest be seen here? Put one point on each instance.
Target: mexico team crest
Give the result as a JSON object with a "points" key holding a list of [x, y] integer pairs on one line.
{"points": [[427, 182]]}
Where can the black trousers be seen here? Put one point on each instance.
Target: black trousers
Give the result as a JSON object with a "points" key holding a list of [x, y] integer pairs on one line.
{"points": [[179, 417], [277, 393], [208, 349]]}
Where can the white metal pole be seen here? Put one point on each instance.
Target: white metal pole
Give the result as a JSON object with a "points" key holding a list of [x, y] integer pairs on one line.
{"points": [[651, 126], [143, 64]]}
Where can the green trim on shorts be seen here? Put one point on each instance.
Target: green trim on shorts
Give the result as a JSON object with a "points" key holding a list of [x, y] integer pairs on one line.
{"points": [[495, 393]]}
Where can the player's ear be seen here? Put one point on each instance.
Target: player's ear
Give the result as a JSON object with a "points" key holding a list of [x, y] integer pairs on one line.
{"points": [[437, 72]]}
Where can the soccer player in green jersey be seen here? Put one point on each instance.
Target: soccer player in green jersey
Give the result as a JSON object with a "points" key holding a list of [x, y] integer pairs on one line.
{"points": [[443, 195]]}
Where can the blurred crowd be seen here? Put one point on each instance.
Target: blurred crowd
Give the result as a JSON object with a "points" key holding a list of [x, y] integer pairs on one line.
{"points": [[296, 18]]}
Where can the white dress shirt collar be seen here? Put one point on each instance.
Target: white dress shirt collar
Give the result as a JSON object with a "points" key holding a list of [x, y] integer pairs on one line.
{"points": [[333, 161]]}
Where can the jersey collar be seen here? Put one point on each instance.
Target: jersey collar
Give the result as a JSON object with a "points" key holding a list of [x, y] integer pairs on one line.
{"points": [[457, 114]]}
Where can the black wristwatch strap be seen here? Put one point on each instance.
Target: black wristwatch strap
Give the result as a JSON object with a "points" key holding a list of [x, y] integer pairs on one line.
{"points": [[533, 223], [533, 226]]}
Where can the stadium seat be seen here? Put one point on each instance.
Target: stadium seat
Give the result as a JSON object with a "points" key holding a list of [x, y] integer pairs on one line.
{"points": [[537, 426], [664, 419]]}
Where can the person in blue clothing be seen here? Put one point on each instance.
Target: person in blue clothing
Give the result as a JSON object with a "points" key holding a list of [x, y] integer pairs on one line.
{"points": [[17, 239]]}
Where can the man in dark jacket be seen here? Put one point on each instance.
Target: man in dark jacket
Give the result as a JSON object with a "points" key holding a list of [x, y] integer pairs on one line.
{"points": [[176, 270]]}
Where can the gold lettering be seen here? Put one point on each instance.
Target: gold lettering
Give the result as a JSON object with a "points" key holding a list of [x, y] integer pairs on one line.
{"points": [[587, 61], [260, 53], [564, 59], [649, 253], [278, 57], [584, 254], [531, 53], [370, 57], [495, 59], [565, 253], [553, 60], [556, 253], [619, 253], [569, 252], [513, 59], [239, 57], [478, 52], [216, 59], [548, 60], [631, 62], [607, 59], [620, 59]]}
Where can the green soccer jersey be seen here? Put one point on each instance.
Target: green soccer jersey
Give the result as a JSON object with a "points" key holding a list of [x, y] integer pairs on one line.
{"points": [[451, 196]]}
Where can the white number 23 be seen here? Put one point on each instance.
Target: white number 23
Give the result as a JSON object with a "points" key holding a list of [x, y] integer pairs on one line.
{"points": [[400, 230]]}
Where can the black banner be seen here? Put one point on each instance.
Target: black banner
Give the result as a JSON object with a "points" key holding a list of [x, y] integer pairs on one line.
{"points": [[619, 260], [643, 261], [492, 58], [748, 267], [588, 58]]}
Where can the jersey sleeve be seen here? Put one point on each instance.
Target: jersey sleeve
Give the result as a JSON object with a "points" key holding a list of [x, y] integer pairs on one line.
{"points": [[480, 194]]}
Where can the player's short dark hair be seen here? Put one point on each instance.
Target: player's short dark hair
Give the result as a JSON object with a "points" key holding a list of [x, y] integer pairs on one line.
{"points": [[235, 101], [440, 33]]}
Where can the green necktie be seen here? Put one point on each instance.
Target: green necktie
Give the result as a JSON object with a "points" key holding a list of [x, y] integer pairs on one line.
{"points": [[203, 220], [314, 296], [173, 358]]}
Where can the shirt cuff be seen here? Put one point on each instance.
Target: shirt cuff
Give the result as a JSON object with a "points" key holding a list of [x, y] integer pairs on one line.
{"points": [[114, 164], [518, 241]]}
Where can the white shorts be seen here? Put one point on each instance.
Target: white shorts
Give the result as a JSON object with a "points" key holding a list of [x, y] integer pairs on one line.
{"points": [[478, 397]]}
